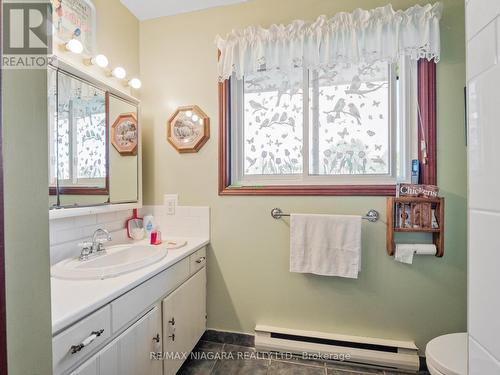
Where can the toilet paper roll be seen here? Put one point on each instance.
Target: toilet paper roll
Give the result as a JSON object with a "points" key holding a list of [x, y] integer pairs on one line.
{"points": [[405, 252]]}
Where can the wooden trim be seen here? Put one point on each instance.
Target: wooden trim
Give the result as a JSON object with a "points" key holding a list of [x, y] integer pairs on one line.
{"points": [[3, 303], [317, 190], [427, 103], [224, 136], [133, 151], [73, 190], [284, 190], [206, 129]]}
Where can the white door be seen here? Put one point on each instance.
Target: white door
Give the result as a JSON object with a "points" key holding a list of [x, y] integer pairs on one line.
{"points": [[483, 85], [184, 320]]}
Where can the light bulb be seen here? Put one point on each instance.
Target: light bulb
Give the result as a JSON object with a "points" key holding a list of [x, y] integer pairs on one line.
{"points": [[201, 121], [189, 114], [119, 72], [135, 83], [100, 60], [75, 46], [195, 118]]}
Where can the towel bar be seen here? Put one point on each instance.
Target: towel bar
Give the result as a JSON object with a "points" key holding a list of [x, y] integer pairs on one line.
{"points": [[372, 215]]}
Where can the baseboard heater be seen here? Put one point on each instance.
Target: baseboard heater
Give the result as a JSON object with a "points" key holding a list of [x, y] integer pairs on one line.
{"points": [[375, 352]]}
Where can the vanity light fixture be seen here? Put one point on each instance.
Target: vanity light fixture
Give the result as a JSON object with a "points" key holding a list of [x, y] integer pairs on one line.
{"points": [[74, 45], [135, 83], [100, 60], [119, 72], [195, 118]]}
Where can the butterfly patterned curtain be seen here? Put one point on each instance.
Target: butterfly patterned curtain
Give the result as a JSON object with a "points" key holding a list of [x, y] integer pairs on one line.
{"points": [[363, 36]]}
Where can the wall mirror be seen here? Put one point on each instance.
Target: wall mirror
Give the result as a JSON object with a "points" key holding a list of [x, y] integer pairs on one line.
{"points": [[188, 129], [93, 143]]}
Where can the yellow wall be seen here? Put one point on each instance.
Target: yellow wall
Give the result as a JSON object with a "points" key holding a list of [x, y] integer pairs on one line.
{"points": [[248, 278], [117, 38]]}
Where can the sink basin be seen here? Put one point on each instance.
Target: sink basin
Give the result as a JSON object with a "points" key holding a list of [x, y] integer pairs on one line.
{"points": [[116, 261]]}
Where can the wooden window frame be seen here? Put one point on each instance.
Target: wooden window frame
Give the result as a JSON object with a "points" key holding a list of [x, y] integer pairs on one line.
{"points": [[426, 82]]}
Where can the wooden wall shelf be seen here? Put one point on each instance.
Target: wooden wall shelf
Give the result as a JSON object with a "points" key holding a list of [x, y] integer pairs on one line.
{"points": [[415, 215]]}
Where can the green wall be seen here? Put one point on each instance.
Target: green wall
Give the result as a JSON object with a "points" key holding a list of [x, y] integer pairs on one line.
{"points": [[27, 265], [248, 278]]}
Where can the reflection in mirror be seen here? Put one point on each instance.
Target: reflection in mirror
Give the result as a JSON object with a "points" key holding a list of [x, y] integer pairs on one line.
{"points": [[94, 145], [78, 142], [123, 155], [81, 134]]}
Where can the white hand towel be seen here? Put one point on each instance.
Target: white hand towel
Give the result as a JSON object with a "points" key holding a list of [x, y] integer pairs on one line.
{"points": [[328, 245]]}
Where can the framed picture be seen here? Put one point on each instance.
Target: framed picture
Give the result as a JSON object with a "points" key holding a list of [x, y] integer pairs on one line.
{"points": [[188, 129], [75, 19], [124, 134]]}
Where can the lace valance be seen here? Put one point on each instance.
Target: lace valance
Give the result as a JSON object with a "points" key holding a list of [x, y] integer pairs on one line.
{"points": [[380, 34]]}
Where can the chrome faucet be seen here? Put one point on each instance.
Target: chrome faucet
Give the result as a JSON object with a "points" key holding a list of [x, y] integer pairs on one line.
{"points": [[96, 246]]}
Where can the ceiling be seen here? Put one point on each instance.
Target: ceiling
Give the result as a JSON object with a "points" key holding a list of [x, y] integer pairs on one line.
{"points": [[146, 9]]}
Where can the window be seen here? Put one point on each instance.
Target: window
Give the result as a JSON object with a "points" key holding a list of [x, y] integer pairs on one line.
{"points": [[78, 136], [346, 130]]}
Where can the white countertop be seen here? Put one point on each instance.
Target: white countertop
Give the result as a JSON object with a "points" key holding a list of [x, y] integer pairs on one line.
{"points": [[72, 300]]}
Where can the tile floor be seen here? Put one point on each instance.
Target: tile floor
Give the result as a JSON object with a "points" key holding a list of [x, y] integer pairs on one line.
{"points": [[212, 358]]}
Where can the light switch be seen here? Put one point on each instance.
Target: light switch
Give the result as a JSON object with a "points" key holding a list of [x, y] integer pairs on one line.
{"points": [[170, 201]]}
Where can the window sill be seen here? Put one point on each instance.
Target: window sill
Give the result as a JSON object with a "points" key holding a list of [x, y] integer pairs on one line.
{"points": [[80, 190], [317, 190]]}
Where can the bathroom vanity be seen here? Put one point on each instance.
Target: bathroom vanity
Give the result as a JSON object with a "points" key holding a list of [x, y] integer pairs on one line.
{"points": [[133, 308], [142, 322]]}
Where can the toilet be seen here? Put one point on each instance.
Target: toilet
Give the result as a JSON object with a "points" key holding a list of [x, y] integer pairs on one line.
{"points": [[447, 354]]}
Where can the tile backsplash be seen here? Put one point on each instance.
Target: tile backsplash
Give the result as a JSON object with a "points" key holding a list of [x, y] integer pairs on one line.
{"points": [[188, 221], [67, 233]]}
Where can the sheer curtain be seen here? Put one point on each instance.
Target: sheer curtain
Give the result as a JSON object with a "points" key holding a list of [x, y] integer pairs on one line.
{"points": [[363, 36]]}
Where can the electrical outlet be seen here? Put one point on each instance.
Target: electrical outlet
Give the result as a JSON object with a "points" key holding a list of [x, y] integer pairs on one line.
{"points": [[170, 201]]}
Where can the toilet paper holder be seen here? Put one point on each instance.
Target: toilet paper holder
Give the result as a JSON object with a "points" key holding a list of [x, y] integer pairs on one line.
{"points": [[415, 215]]}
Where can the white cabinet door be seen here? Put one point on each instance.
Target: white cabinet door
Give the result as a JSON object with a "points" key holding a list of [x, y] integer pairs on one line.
{"points": [[184, 320], [130, 352], [90, 367]]}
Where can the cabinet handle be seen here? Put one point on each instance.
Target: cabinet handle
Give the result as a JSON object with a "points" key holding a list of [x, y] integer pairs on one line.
{"points": [[172, 336], [172, 321], [156, 338], [86, 342], [201, 259]]}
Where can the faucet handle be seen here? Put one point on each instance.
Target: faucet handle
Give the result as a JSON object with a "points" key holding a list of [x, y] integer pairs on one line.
{"points": [[85, 245], [99, 244]]}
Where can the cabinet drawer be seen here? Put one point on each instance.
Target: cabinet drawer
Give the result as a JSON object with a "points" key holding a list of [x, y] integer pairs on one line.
{"points": [[197, 260], [130, 305], [82, 332]]}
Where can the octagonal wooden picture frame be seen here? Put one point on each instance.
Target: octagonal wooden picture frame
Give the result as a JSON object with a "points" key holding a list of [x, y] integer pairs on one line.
{"points": [[125, 134], [188, 129]]}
